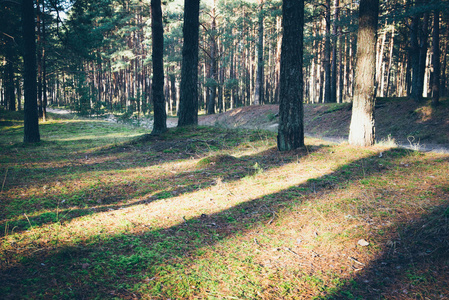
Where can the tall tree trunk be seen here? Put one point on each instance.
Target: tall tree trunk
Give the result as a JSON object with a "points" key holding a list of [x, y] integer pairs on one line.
{"points": [[10, 97], [160, 116], [362, 121], [213, 66], [44, 66], [443, 88], [327, 54], [423, 54], [436, 59], [31, 119], [291, 114], [390, 61], [414, 59], [259, 89], [341, 68], [333, 97], [39, 59], [188, 102]]}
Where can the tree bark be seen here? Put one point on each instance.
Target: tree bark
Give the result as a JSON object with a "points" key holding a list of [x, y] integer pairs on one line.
{"points": [[362, 121], [160, 116], [436, 59], [327, 55], [188, 102], [10, 97], [31, 119], [423, 55], [333, 97], [259, 88], [212, 67], [291, 127]]}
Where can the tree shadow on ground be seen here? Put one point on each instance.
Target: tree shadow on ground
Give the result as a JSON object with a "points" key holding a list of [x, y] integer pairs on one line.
{"points": [[144, 151], [413, 259], [106, 197], [108, 266]]}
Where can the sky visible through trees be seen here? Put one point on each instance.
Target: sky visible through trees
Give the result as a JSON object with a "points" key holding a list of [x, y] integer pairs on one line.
{"points": [[96, 56]]}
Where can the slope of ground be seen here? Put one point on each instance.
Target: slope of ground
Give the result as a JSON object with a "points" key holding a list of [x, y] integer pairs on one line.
{"points": [[400, 121]]}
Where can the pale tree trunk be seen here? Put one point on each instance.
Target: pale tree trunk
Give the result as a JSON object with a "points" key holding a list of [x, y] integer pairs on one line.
{"points": [[362, 128], [380, 59], [291, 127], [278, 59], [423, 55]]}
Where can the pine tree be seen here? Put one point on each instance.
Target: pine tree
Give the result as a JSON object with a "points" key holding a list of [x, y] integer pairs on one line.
{"points": [[291, 127], [362, 121], [160, 116], [31, 120], [188, 106]]}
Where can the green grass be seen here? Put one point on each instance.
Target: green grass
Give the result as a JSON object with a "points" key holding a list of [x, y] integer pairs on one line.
{"points": [[105, 211]]}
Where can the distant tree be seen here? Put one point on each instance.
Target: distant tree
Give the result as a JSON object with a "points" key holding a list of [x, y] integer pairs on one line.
{"points": [[160, 116], [327, 55], [188, 102], [259, 86], [9, 39], [362, 128], [31, 119], [436, 59], [291, 127]]}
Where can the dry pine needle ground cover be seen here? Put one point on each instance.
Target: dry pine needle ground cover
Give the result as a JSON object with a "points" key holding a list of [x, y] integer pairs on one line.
{"points": [[99, 210]]}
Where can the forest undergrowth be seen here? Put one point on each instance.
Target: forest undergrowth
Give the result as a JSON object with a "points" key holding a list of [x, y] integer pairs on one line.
{"points": [[99, 210]]}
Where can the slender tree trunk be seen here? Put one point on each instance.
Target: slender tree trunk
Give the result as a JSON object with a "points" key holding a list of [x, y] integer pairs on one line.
{"points": [[44, 67], [414, 59], [423, 55], [341, 69], [380, 61], [390, 62], [436, 59], [188, 106], [160, 116], [333, 97], [327, 54], [19, 95], [39, 59], [362, 121], [213, 67], [31, 119], [10, 97], [291, 127], [443, 88], [259, 89]]}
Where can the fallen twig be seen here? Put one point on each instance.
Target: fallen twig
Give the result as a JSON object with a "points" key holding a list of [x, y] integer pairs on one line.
{"points": [[4, 180], [291, 251], [356, 261]]}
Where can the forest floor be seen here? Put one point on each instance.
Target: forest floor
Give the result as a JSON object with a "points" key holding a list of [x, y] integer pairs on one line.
{"points": [[399, 121], [100, 210]]}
